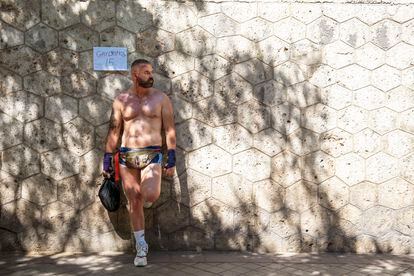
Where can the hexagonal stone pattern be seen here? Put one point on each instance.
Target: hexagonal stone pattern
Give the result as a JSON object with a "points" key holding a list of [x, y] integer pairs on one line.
{"points": [[43, 84], [400, 56], [119, 36], [352, 119], [233, 189], [96, 110], [21, 165], [273, 11], [336, 142], [81, 84], [182, 109], [43, 135], [383, 120], [21, 60], [354, 32], [62, 15], [323, 30], [192, 86], [404, 219], [252, 164], [303, 141], [285, 118], [174, 63], [42, 38], [301, 196], [353, 76], [335, 96], [17, 214], [318, 166], [406, 168], [269, 141], [212, 66], [126, 15], [319, 118], [306, 52], [39, 189], [174, 17], [10, 36], [254, 71], [59, 164], [219, 25], [369, 98], [192, 188], [256, 29], [270, 93], [350, 168], [400, 98], [154, 42], [288, 73], [193, 134], [61, 62], [78, 38], [377, 220], [381, 167], [396, 193], [232, 138], [75, 192], [290, 29], [11, 130], [254, 116], [21, 14], [11, 188], [22, 105], [364, 195], [385, 77], [78, 136], [215, 111], [313, 222], [224, 218], [210, 160], [109, 86], [233, 88], [172, 216], [338, 54], [195, 42], [101, 20], [284, 223], [235, 48], [370, 56], [61, 108], [407, 120], [9, 81], [273, 51], [367, 142], [398, 143], [269, 195], [386, 34]]}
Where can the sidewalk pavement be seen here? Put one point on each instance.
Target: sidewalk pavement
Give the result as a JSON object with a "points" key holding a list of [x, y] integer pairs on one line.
{"points": [[206, 263]]}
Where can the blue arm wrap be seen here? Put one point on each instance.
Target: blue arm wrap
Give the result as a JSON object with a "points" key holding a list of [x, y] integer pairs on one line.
{"points": [[171, 159]]}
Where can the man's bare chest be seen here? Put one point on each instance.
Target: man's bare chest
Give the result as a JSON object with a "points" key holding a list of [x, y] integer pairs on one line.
{"points": [[141, 109]]}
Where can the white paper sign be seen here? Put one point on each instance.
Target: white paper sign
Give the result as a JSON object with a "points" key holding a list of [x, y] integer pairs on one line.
{"points": [[110, 59]]}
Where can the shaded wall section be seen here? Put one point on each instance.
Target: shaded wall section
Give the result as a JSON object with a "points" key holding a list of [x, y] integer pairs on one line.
{"points": [[295, 124]]}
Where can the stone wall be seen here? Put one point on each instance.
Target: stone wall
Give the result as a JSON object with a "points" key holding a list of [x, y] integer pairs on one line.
{"points": [[295, 124]]}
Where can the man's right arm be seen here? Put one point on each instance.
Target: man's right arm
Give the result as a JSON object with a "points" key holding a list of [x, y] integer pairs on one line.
{"points": [[114, 131], [115, 127]]}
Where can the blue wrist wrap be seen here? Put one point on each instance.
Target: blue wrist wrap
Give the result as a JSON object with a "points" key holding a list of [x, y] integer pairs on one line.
{"points": [[171, 159]]}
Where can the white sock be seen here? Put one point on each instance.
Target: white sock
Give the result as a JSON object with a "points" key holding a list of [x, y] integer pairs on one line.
{"points": [[139, 236]]}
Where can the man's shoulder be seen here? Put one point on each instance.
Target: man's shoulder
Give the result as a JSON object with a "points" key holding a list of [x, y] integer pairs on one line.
{"points": [[123, 96]]}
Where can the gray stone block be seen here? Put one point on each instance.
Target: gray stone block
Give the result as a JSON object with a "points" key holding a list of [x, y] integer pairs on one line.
{"points": [[192, 86], [43, 84], [43, 135], [23, 164], [154, 42], [59, 164], [39, 189], [78, 38], [133, 16], [11, 130], [95, 109], [21, 14], [61, 108], [42, 38], [21, 60]]}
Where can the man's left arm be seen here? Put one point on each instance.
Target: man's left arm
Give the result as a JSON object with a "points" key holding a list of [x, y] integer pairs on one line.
{"points": [[169, 127]]}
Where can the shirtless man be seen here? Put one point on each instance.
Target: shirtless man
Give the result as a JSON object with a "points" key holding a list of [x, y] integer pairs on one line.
{"points": [[139, 113]]}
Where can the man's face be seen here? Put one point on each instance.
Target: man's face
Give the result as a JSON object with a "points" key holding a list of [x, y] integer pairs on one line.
{"points": [[143, 75]]}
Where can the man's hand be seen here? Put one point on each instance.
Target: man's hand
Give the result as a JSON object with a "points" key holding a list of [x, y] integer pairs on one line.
{"points": [[169, 168], [169, 172]]}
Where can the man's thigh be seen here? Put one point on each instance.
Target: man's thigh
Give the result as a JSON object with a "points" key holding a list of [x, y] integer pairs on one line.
{"points": [[130, 181], [151, 180]]}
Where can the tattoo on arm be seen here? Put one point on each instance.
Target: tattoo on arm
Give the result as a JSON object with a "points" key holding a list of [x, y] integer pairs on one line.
{"points": [[113, 124]]}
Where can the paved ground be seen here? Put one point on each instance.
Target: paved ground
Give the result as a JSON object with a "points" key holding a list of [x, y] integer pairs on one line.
{"points": [[206, 263]]}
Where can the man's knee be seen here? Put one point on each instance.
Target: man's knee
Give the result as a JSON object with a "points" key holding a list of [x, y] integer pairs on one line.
{"points": [[152, 196]]}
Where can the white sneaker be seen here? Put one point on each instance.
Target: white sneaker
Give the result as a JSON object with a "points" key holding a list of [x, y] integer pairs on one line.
{"points": [[147, 204], [141, 257]]}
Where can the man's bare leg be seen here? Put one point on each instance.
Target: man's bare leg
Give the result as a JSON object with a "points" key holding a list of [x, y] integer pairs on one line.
{"points": [[148, 190]]}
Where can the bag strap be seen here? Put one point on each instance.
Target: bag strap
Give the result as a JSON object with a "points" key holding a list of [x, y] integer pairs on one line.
{"points": [[116, 159]]}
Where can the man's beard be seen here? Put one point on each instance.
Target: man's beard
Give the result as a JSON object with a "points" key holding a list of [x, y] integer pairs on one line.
{"points": [[146, 84]]}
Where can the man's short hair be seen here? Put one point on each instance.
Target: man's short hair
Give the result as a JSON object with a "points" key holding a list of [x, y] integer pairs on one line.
{"points": [[139, 61]]}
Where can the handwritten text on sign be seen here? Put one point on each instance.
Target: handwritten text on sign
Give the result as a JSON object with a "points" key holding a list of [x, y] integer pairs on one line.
{"points": [[110, 59]]}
